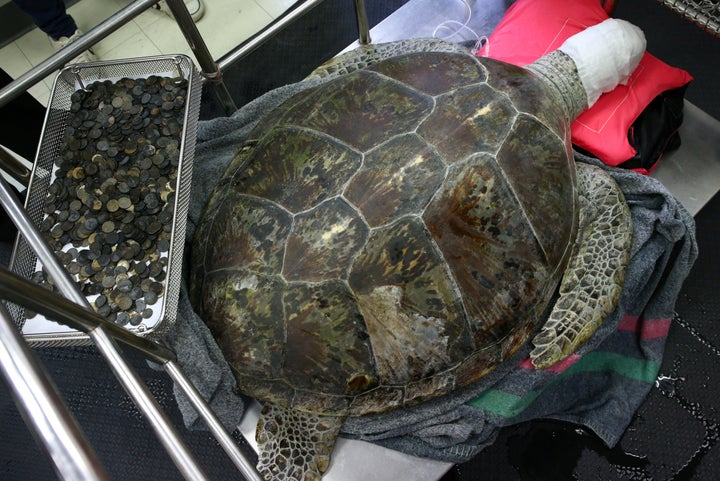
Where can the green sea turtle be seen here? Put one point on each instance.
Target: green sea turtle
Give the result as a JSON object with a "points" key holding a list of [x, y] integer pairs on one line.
{"points": [[398, 231]]}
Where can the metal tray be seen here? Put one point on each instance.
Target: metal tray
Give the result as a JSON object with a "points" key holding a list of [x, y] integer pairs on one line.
{"points": [[57, 131]]}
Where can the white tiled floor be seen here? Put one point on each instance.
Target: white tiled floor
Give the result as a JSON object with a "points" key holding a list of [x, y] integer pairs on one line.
{"points": [[226, 23]]}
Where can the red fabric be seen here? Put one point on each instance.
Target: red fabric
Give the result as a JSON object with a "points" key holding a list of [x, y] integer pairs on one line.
{"points": [[532, 28]]}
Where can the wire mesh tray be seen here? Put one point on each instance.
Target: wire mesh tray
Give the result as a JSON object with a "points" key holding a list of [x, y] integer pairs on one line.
{"points": [[110, 190]]}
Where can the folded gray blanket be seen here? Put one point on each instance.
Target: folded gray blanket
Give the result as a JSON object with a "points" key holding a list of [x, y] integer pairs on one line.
{"points": [[600, 386]]}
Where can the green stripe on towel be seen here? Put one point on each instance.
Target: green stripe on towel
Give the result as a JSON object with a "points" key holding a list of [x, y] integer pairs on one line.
{"points": [[508, 405]]}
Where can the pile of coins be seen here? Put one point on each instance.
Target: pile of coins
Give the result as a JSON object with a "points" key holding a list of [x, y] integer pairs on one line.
{"points": [[109, 210]]}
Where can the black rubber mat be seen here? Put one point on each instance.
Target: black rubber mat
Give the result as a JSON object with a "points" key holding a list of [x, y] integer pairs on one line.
{"points": [[115, 428], [673, 437]]}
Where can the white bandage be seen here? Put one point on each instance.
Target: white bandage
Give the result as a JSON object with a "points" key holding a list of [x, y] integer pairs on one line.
{"points": [[606, 55]]}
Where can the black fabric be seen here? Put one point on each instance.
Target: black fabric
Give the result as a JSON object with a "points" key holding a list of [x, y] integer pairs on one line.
{"points": [[655, 131]]}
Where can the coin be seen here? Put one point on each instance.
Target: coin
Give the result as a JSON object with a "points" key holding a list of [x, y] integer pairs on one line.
{"points": [[112, 205]]}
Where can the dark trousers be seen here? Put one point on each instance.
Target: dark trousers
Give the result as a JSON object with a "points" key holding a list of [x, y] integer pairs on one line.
{"points": [[49, 16]]}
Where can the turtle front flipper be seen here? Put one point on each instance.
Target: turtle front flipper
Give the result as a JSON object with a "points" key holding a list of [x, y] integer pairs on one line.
{"points": [[591, 286], [294, 445]]}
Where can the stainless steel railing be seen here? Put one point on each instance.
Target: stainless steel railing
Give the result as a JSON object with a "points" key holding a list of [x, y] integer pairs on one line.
{"points": [[75, 311], [251, 44], [44, 409], [211, 71], [110, 25]]}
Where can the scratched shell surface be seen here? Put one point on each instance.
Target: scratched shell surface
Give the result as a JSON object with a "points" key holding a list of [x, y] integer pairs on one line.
{"points": [[388, 236]]}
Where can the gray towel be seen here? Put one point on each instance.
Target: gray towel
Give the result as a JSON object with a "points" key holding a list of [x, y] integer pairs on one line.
{"points": [[600, 387]]}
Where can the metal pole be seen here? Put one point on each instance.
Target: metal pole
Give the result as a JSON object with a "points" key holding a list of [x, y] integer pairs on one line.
{"points": [[26, 293], [362, 22], [259, 39], [146, 403], [72, 50], [125, 374], [13, 167], [247, 469], [43, 409], [211, 70]]}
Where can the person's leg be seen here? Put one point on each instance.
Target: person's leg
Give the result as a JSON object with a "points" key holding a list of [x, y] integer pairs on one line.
{"points": [[50, 16]]}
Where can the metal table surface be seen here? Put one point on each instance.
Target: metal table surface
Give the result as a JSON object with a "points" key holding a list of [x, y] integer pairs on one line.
{"points": [[692, 174]]}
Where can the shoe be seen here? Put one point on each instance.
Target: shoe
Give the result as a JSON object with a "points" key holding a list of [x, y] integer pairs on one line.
{"points": [[86, 56], [196, 8]]}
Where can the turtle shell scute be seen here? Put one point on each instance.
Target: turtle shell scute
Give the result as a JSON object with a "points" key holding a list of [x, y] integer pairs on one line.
{"points": [[389, 235]]}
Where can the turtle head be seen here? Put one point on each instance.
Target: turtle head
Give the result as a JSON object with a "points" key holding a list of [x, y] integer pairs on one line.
{"points": [[592, 62]]}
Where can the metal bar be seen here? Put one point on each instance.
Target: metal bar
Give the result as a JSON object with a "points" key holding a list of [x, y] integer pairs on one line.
{"points": [[125, 374], [246, 468], [29, 294], [44, 410], [256, 41], [72, 50], [26, 293], [362, 22], [146, 403], [210, 70], [13, 167]]}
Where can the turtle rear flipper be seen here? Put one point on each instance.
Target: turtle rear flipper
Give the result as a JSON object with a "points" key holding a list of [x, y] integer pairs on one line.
{"points": [[294, 445], [591, 286]]}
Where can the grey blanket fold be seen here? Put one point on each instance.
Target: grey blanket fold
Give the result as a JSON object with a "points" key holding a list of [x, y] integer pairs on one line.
{"points": [[600, 386]]}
